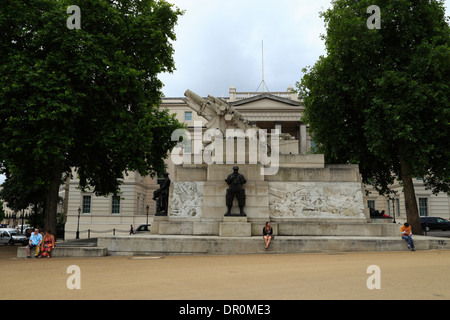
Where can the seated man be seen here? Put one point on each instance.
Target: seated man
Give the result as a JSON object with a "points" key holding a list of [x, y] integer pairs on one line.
{"points": [[34, 242], [405, 230]]}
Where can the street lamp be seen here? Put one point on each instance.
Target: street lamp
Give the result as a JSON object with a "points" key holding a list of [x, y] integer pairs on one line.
{"points": [[393, 208], [23, 217], [14, 219], [147, 212], [78, 224]]}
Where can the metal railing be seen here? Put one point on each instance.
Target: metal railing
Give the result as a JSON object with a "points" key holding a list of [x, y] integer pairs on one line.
{"points": [[89, 231]]}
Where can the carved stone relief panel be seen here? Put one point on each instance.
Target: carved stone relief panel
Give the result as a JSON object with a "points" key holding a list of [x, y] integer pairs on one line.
{"points": [[187, 199], [315, 200]]}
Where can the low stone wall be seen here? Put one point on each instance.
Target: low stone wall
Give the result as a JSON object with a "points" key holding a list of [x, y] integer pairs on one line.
{"points": [[64, 251], [282, 227], [176, 245], [301, 228], [151, 245]]}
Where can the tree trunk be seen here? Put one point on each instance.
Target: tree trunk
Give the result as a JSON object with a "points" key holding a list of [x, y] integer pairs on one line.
{"points": [[52, 199], [412, 211], [66, 198]]}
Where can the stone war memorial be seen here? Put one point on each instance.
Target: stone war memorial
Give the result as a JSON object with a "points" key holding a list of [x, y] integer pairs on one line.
{"points": [[241, 161], [298, 193]]}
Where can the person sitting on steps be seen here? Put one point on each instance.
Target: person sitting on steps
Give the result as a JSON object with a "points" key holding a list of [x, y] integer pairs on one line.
{"points": [[405, 230], [267, 234]]}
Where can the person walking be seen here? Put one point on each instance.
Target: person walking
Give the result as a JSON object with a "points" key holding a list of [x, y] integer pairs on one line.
{"points": [[406, 233]]}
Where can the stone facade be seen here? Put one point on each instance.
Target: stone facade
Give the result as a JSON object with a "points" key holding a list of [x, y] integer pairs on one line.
{"points": [[303, 190], [428, 203]]}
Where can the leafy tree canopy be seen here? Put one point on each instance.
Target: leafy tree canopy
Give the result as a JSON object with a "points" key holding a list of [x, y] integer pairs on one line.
{"points": [[85, 98], [380, 97]]}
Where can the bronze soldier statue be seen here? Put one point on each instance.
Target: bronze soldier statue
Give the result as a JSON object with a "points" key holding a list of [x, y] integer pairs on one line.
{"points": [[235, 181], [161, 196]]}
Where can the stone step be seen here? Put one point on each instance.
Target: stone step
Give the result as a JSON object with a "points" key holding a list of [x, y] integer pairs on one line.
{"points": [[66, 251], [91, 242], [163, 226], [198, 245], [180, 245]]}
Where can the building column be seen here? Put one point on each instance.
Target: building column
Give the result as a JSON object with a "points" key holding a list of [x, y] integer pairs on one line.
{"points": [[232, 94], [303, 140]]}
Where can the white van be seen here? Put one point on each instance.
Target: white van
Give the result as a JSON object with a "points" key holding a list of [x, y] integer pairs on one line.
{"points": [[12, 236]]}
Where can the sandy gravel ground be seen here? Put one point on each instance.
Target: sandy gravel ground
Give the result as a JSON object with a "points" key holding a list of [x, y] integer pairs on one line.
{"points": [[403, 275]]}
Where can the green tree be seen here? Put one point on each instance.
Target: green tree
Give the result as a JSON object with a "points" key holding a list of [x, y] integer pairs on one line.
{"points": [[19, 193], [84, 98], [380, 97], [2, 212]]}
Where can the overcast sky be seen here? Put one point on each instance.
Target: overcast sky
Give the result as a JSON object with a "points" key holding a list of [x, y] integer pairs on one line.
{"points": [[219, 44]]}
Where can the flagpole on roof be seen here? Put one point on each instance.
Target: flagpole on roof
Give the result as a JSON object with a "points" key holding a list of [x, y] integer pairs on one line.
{"points": [[262, 48]]}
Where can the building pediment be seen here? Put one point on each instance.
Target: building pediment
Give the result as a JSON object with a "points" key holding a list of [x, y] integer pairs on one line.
{"points": [[267, 102], [269, 107]]}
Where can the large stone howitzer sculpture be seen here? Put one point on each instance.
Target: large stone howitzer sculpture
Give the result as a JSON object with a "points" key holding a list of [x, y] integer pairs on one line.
{"points": [[291, 189], [217, 112]]}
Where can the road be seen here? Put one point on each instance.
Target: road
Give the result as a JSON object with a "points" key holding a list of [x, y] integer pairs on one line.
{"points": [[439, 233]]}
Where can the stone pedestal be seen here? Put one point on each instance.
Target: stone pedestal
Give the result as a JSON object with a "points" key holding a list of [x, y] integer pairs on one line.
{"points": [[157, 220], [303, 190], [235, 226]]}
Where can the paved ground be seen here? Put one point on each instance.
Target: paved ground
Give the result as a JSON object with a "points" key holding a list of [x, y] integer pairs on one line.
{"points": [[403, 275]]}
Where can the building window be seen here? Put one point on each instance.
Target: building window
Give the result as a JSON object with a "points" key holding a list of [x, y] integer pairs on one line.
{"points": [[278, 127], [188, 116], [115, 207], [86, 204], [423, 207], [393, 207], [137, 204], [371, 204], [187, 146]]}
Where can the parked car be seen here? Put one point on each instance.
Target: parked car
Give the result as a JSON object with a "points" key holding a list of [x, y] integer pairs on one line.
{"points": [[24, 228], [143, 228], [432, 223], [12, 236]]}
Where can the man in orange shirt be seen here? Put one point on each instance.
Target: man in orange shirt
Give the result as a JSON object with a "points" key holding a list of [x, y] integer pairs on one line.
{"points": [[405, 230]]}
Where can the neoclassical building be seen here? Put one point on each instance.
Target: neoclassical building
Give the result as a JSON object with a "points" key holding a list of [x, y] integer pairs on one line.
{"points": [[428, 203]]}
